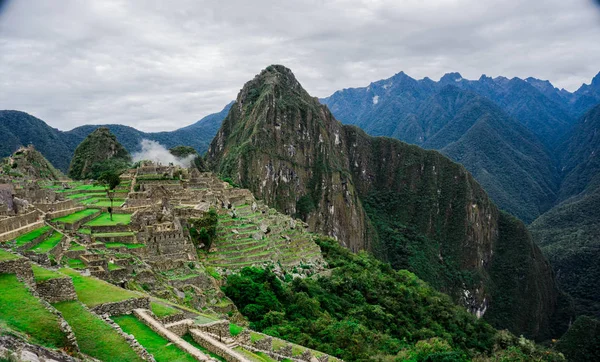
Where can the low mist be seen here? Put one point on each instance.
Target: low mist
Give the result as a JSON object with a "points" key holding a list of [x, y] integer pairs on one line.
{"points": [[155, 152]]}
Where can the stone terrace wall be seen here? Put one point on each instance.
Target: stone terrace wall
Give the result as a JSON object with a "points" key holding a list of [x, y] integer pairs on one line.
{"points": [[56, 214], [216, 347], [57, 290], [21, 267], [16, 222], [16, 233], [56, 206], [124, 307]]}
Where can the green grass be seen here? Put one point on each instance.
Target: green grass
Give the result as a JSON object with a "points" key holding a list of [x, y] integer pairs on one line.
{"points": [[41, 274], [202, 319], [21, 311], [161, 310], [30, 236], [112, 266], [121, 245], [75, 264], [254, 337], [254, 356], [4, 255], [188, 338], [158, 346], [76, 247], [234, 329], [74, 217], [82, 195], [93, 292], [85, 231], [95, 337], [277, 344], [116, 203], [104, 220], [114, 235], [48, 244]]}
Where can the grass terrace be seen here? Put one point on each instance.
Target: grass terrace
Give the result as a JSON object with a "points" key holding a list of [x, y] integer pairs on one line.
{"points": [[75, 264], [5, 255], [48, 244], [41, 274], [93, 292], [121, 245], [256, 357], [32, 235], [104, 220], [161, 310], [114, 235], [162, 349], [188, 338], [94, 336], [88, 194], [23, 312], [73, 218]]}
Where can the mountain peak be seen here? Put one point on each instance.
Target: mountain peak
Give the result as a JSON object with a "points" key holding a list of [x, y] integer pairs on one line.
{"points": [[596, 80], [451, 77]]}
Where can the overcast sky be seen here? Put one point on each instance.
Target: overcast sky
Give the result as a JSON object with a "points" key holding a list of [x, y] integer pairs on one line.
{"points": [[161, 65]]}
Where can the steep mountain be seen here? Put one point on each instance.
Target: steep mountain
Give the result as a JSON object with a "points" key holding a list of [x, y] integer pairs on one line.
{"points": [[26, 161], [21, 129], [413, 208], [570, 232], [98, 152]]}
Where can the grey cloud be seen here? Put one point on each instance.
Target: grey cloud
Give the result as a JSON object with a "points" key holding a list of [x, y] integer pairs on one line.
{"points": [[162, 65]]}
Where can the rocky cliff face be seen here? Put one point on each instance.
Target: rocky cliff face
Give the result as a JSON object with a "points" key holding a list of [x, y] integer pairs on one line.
{"points": [[283, 145], [411, 207]]}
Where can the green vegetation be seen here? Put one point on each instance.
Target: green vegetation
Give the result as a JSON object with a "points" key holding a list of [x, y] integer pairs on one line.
{"points": [[93, 292], [364, 308], [582, 342], [32, 235], [75, 264], [252, 356], [105, 220], [234, 329], [121, 245], [99, 153], [48, 244], [188, 338], [21, 311], [73, 218], [94, 336], [42, 274], [115, 234], [109, 180], [159, 347], [204, 230], [161, 310], [5, 255]]}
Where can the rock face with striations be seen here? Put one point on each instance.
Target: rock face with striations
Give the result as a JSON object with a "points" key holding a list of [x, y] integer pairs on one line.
{"points": [[416, 209], [98, 151]]}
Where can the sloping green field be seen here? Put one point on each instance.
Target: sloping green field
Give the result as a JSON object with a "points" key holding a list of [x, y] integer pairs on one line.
{"points": [[23, 312]]}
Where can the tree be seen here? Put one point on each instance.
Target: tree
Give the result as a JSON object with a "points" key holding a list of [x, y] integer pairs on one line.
{"points": [[109, 180]]}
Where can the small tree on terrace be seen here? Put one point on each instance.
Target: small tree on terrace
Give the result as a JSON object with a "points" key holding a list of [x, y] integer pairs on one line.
{"points": [[110, 180]]}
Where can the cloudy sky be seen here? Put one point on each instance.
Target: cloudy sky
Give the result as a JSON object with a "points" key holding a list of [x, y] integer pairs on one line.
{"points": [[160, 65]]}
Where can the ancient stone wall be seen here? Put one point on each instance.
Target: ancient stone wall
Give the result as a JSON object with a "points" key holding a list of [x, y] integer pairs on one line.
{"points": [[124, 307], [18, 232], [56, 206], [181, 327], [21, 267], [56, 214], [218, 328], [57, 290], [216, 347], [19, 221]]}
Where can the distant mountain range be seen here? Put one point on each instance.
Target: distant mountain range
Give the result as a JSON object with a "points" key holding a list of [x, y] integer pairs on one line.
{"points": [[505, 131], [19, 128]]}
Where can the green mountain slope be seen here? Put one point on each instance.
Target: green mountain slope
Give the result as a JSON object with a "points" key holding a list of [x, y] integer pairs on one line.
{"points": [[570, 232], [99, 152], [28, 162], [411, 207]]}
